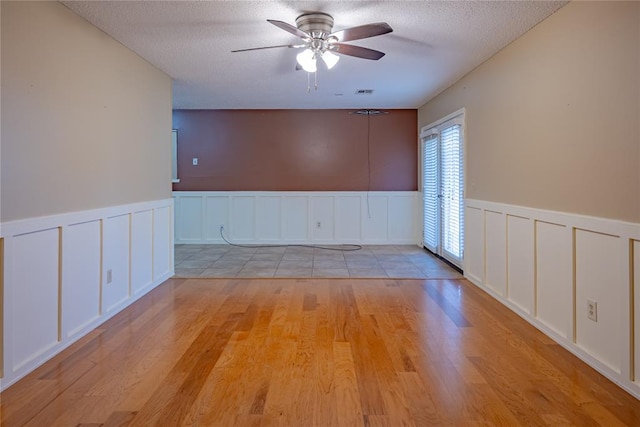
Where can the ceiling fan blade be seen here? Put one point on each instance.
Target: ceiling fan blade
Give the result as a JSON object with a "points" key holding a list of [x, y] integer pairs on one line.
{"points": [[295, 46], [362, 32], [289, 28], [357, 51]]}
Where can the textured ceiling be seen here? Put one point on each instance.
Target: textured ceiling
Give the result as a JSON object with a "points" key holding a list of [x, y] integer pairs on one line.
{"points": [[433, 44]]}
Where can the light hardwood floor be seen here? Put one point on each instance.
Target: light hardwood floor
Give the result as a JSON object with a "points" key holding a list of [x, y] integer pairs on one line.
{"points": [[316, 352]]}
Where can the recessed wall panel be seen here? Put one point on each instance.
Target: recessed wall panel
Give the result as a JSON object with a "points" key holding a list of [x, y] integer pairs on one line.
{"points": [[216, 214], [322, 223], [189, 224], [243, 213], [348, 218], [598, 258], [268, 218], [81, 275], [141, 250], [34, 295], [295, 214], [374, 219], [402, 218], [115, 274], [496, 252], [162, 246], [520, 256], [554, 296], [474, 244], [635, 247]]}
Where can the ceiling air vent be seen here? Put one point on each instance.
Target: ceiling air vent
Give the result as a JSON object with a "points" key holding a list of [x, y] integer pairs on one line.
{"points": [[364, 91]]}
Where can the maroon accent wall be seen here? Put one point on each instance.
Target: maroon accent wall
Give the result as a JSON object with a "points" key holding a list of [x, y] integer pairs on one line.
{"points": [[296, 150]]}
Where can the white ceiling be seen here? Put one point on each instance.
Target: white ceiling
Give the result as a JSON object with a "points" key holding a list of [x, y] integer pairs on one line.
{"points": [[434, 43]]}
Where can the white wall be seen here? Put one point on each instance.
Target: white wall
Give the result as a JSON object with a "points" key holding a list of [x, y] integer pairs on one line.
{"points": [[55, 277], [551, 121], [552, 135], [85, 180], [81, 115], [293, 217], [545, 265]]}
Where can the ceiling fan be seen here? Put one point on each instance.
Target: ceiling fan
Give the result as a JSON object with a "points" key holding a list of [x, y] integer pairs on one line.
{"points": [[318, 40]]}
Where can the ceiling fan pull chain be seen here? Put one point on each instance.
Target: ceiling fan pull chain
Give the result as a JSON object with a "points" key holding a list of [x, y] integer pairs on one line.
{"points": [[308, 82], [315, 80]]}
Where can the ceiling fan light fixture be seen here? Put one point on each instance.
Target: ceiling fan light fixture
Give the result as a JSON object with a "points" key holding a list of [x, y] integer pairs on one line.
{"points": [[330, 58], [307, 60]]}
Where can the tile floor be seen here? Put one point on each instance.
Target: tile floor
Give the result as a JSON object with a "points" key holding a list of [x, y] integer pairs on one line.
{"points": [[392, 261]]}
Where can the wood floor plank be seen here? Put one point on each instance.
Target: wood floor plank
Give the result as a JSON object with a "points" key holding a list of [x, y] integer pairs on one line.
{"points": [[330, 352]]}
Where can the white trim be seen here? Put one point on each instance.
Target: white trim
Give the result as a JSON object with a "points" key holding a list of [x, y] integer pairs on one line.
{"points": [[291, 217], [432, 127], [607, 345], [30, 233], [427, 133]]}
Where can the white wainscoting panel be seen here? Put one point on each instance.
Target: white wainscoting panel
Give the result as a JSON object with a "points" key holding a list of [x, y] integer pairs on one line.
{"points": [[348, 216], [521, 258], [81, 276], [545, 265], [474, 244], [243, 226], [269, 222], [162, 242], [636, 308], [55, 288], [296, 219], [322, 222], [116, 260], [216, 214], [554, 296], [190, 213], [402, 217], [375, 221], [597, 273], [293, 217], [141, 250], [34, 295], [496, 251]]}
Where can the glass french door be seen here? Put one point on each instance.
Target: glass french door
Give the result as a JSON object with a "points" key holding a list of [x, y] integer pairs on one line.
{"points": [[443, 191]]}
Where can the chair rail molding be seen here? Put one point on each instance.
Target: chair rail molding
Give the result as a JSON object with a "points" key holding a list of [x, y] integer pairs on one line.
{"points": [[546, 266], [284, 217], [66, 274]]}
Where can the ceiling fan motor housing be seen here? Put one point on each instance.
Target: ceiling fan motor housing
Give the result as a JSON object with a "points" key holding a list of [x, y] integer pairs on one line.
{"points": [[317, 25]]}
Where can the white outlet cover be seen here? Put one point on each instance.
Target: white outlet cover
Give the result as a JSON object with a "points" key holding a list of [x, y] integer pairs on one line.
{"points": [[195, 161], [592, 310]]}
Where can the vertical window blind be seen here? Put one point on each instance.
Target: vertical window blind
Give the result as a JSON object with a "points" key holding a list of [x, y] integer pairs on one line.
{"points": [[451, 191], [443, 190], [430, 191]]}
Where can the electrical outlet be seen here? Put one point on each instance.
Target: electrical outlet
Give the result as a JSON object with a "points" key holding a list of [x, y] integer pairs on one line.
{"points": [[195, 161], [592, 310], [109, 276], [318, 225]]}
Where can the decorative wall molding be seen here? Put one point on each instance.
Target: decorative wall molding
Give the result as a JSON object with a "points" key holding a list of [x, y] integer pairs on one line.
{"points": [[298, 217], [545, 265], [66, 274]]}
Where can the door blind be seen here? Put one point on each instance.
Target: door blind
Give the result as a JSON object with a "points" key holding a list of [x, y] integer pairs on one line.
{"points": [[430, 190], [452, 190]]}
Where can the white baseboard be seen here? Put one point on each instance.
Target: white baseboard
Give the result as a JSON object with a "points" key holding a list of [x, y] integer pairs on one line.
{"points": [[545, 265], [285, 217], [66, 274]]}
